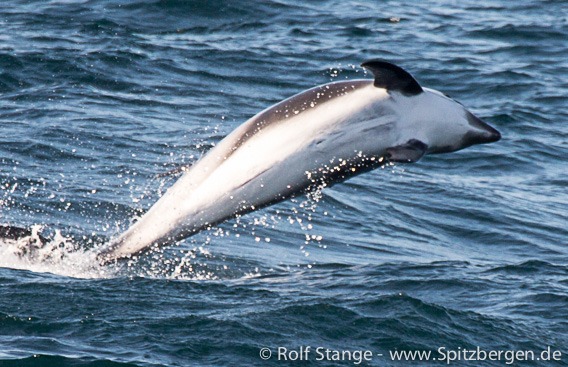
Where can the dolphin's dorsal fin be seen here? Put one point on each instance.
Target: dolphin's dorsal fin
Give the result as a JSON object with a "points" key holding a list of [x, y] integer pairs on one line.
{"points": [[392, 78], [409, 152]]}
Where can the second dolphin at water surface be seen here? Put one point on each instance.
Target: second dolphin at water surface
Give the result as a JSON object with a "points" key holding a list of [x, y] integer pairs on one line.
{"points": [[323, 135]]}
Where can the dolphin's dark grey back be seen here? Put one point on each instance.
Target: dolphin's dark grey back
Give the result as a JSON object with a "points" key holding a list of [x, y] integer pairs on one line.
{"points": [[299, 103]]}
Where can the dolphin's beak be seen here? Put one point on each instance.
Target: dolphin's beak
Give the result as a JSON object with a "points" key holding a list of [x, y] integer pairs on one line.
{"points": [[492, 134], [484, 133]]}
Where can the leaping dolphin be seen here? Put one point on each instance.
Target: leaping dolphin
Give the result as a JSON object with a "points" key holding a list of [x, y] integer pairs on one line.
{"points": [[323, 135]]}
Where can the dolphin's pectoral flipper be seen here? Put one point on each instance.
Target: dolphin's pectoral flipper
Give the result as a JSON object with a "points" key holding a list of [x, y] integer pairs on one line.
{"points": [[392, 78], [409, 152]]}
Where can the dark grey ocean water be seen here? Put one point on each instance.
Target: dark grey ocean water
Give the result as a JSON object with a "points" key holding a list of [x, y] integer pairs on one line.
{"points": [[459, 251]]}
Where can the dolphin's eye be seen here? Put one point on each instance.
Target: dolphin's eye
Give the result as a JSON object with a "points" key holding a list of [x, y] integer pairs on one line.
{"points": [[447, 95]]}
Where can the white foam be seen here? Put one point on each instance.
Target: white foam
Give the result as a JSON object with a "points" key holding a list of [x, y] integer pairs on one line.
{"points": [[58, 256], [63, 256]]}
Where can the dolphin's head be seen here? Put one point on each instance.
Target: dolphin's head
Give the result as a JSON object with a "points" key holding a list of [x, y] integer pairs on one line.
{"points": [[431, 122], [448, 126]]}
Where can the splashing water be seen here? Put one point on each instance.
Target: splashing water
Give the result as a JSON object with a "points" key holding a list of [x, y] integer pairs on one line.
{"points": [[77, 258], [64, 256], [58, 255]]}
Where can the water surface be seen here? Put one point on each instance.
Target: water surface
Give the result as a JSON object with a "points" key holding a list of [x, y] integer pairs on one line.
{"points": [[461, 250]]}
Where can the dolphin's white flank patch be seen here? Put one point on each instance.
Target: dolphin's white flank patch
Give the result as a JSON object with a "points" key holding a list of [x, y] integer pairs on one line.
{"points": [[328, 133]]}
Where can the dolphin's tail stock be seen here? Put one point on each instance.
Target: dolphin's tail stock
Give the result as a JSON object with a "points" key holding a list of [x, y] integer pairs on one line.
{"points": [[110, 252]]}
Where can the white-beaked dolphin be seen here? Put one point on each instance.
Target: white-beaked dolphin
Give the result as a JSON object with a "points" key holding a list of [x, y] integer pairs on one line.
{"points": [[321, 136]]}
